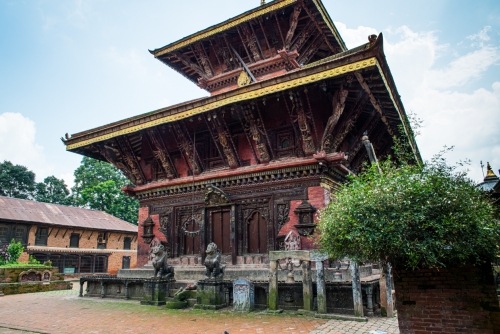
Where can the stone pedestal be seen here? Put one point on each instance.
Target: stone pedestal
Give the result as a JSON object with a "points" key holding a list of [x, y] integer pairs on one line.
{"points": [[210, 294], [156, 291], [243, 295]]}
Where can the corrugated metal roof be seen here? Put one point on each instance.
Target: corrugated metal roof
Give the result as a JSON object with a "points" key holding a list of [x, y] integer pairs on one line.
{"points": [[15, 209]]}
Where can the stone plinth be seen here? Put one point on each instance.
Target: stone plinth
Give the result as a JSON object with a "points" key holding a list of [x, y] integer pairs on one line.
{"points": [[243, 295], [156, 291], [210, 294]]}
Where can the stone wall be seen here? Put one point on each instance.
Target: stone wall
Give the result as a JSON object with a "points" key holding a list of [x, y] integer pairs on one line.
{"points": [[10, 280], [449, 300]]}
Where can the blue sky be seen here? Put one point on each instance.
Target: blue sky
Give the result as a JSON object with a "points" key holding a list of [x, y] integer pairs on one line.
{"points": [[68, 66]]}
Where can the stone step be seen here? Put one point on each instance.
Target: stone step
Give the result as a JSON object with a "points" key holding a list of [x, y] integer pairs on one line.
{"points": [[191, 302]]}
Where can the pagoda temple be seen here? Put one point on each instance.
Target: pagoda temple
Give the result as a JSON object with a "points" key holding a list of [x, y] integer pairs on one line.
{"points": [[260, 156]]}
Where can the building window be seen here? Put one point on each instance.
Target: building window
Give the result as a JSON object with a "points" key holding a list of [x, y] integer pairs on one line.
{"points": [[41, 236], [126, 262], [74, 240], [127, 242], [101, 240], [4, 234], [101, 264], [21, 234]]}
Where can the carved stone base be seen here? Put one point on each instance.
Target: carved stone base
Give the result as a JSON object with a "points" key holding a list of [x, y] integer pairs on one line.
{"points": [[210, 294], [176, 304], [156, 291]]}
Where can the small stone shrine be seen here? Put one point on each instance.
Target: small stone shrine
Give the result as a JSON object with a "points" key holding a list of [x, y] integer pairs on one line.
{"points": [[243, 295]]}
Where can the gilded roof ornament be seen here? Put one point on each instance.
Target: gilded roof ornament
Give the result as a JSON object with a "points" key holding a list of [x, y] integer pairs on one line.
{"points": [[489, 171]]}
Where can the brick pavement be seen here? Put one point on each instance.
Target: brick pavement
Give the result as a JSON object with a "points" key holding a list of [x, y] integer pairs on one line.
{"points": [[63, 312]]}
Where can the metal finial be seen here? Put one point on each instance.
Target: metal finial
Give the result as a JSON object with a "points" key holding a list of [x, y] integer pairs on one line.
{"points": [[489, 171], [262, 2]]}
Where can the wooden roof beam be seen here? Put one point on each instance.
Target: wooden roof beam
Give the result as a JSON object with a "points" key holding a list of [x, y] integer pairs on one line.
{"points": [[318, 27], [293, 25], [374, 101]]}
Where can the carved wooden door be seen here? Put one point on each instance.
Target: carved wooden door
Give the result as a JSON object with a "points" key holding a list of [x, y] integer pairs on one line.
{"points": [[220, 228], [191, 239], [257, 234]]}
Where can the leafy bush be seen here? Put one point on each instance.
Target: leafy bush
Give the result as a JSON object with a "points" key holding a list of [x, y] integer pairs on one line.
{"points": [[32, 260], [15, 249], [412, 217], [4, 255]]}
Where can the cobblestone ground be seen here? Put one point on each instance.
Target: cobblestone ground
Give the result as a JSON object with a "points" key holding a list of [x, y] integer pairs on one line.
{"points": [[63, 312]]}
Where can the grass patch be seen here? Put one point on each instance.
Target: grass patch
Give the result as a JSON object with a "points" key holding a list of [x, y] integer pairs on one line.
{"points": [[23, 265]]}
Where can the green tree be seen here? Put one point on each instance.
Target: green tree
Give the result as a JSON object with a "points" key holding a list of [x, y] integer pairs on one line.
{"points": [[411, 216], [16, 181], [98, 186], [52, 190]]}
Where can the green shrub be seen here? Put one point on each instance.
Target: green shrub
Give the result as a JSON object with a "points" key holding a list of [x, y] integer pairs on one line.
{"points": [[15, 249], [411, 216], [32, 260]]}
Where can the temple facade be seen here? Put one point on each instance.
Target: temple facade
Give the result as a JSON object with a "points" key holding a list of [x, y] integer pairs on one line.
{"points": [[258, 158]]}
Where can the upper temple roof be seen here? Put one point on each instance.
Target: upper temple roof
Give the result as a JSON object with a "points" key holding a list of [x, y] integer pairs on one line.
{"points": [[269, 40]]}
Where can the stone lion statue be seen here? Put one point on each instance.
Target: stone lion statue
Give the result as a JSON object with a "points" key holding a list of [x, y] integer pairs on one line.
{"points": [[160, 262], [213, 262]]}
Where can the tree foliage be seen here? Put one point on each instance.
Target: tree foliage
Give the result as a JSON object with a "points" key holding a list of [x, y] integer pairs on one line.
{"points": [[98, 186], [9, 254], [52, 190], [16, 181], [411, 216]]}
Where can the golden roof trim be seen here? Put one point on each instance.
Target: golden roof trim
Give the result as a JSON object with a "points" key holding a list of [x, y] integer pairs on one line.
{"points": [[224, 27], [234, 99]]}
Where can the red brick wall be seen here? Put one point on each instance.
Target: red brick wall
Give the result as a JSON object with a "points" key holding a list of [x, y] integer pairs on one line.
{"points": [[142, 247], [450, 300], [316, 197]]}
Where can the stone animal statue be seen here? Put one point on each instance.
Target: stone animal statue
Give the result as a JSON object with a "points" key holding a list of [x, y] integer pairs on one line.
{"points": [[162, 269], [213, 262], [185, 292]]}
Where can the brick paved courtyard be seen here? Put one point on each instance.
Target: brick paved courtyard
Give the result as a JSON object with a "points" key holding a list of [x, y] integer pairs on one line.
{"points": [[64, 312]]}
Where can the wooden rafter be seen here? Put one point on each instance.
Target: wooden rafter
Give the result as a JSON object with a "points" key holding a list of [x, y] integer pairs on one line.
{"points": [[293, 25], [374, 101], [188, 63], [311, 16], [161, 153], [338, 105]]}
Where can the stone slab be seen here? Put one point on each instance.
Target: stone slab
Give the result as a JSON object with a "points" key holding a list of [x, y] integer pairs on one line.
{"points": [[243, 295], [332, 316], [175, 305]]}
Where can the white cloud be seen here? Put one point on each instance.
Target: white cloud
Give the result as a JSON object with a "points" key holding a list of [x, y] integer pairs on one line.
{"points": [[17, 144], [467, 120]]}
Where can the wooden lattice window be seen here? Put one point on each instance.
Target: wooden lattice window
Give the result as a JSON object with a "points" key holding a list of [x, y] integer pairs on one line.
{"points": [[41, 236], [4, 234]]}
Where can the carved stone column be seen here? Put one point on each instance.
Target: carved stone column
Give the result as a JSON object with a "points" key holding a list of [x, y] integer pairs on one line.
{"points": [[307, 286], [320, 287], [386, 290], [357, 295], [273, 285], [369, 300]]}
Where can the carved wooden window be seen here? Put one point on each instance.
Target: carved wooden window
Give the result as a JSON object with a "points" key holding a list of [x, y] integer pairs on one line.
{"points": [[71, 261], [74, 240], [57, 262], [102, 239], [220, 225], [127, 242], [4, 234], [285, 143], [41, 236], [257, 234]]}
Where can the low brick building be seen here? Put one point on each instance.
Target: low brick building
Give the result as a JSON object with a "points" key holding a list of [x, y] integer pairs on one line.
{"points": [[76, 240]]}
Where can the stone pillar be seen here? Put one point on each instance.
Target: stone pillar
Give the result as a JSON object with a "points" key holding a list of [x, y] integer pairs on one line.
{"points": [[81, 288], [387, 299], [357, 295], [273, 285], [102, 289], [126, 290], [320, 287], [369, 300], [307, 286]]}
